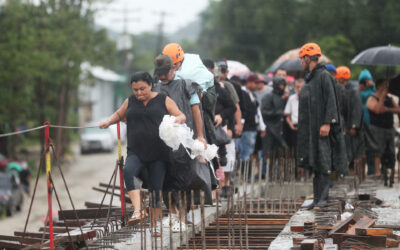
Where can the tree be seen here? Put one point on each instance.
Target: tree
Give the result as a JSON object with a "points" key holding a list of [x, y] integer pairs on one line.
{"points": [[256, 32], [41, 49]]}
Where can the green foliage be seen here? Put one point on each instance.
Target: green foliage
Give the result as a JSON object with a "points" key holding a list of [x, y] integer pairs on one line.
{"points": [[41, 49], [337, 48], [256, 32]]}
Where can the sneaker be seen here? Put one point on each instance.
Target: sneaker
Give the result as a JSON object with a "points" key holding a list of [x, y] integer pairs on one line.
{"points": [[177, 226], [156, 231], [165, 221]]}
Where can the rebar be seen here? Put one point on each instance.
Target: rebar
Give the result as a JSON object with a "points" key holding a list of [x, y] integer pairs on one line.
{"points": [[203, 226]]}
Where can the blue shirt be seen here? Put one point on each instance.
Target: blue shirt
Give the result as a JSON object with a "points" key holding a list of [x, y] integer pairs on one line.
{"points": [[194, 99], [365, 94]]}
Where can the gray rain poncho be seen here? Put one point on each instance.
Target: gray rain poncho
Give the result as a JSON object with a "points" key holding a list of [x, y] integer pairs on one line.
{"points": [[185, 174], [318, 106], [272, 107], [353, 118]]}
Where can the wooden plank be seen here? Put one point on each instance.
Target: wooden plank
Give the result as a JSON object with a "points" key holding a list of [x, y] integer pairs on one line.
{"points": [[297, 229], [392, 243], [374, 231], [25, 240], [341, 226], [297, 240], [57, 229], [309, 244], [364, 223], [394, 227], [11, 245], [32, 234], [376, 241], [88, 213]]}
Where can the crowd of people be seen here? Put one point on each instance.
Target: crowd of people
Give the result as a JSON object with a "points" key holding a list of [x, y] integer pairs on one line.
{"points": [[331, 124]]}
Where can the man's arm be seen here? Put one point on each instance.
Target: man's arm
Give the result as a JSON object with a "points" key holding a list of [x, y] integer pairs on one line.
{"points": [[238, 121], [375, 106], [395, 109]]}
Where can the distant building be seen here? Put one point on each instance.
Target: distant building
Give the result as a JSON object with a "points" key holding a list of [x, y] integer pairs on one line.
{"points": [[100, 93]]}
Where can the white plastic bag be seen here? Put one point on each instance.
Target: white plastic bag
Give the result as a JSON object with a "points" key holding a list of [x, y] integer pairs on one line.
{"points": [[174, 134]]}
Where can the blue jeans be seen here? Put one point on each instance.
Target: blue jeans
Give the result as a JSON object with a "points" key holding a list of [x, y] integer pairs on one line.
{"points": [[246, 144]]}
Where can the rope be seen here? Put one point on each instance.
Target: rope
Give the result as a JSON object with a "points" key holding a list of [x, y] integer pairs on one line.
{"points": [[22, 131], [43, 126], [72, 127]]}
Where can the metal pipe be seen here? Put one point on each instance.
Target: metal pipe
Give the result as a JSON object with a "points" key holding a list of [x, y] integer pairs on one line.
{"points": [[203, 226], [192, 207], [259, 184], [141, 221], [240, 221], [245, 220], [186, 220], [252, 172], [217, 208], [161, 218], [179, 206], [171, 241]]}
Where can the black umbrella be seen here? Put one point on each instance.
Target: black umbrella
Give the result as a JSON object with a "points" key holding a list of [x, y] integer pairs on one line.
{"points": [[290, 65], [383, 55]]}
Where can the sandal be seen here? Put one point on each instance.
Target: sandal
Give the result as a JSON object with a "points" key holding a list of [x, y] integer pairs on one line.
{"points": [[136, 216]]}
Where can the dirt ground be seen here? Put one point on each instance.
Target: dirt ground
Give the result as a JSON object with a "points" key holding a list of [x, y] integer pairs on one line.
{"points": [[82, 173]]}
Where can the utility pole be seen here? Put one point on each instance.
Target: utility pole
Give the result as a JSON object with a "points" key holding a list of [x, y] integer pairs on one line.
{"points": [[160, 33]]}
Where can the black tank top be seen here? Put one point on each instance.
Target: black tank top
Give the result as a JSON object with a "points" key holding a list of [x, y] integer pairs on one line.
{"points": [[384, 120], [143, 124]]}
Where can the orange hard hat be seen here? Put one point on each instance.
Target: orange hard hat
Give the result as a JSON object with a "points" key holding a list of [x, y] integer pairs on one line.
{"points": [[343, 72], [310, 49], [175, 51]]}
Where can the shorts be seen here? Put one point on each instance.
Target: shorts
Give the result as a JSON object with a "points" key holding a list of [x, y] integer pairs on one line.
{"points": [[231, 157], [133, 168], [246, 144], [384, 138]]}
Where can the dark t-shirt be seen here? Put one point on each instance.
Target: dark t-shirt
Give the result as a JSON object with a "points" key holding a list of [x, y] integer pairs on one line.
{"points": [[143, 124], [384, 120]]}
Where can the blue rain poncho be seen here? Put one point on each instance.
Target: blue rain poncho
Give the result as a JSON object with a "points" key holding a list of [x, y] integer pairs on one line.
{"points": [[193, 69]]}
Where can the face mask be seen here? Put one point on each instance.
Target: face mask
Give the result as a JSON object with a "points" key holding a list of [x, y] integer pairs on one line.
{"points": [[279, 91]]}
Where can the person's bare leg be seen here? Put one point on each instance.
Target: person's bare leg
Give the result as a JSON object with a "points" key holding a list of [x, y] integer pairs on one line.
{"points": [[227, 178], [377, 164], [173, 209], [134, 195], [156, 213]]}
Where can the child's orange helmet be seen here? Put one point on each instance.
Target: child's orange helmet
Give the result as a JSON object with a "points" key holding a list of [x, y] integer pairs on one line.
{"points": [[343, 72], [175, 51]]}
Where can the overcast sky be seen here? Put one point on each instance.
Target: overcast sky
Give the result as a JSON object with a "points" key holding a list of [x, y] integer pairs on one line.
{"points": [[144, 15]]}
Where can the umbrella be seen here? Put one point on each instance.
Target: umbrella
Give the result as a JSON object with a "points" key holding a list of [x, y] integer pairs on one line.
{"points": [[382, 55], [236, 68], [290, 60], [288, 65]]}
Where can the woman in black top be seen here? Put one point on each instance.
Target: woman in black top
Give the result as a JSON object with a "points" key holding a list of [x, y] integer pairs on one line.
{"points": [[143, 112]]}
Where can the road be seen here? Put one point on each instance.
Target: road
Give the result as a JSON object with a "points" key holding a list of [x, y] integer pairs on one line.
{"points": [[81, 174]]}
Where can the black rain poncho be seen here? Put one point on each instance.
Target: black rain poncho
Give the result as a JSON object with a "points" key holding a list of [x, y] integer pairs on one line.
{"points": [[353, 118], [185, 174], [272, 107], [318, 106]]}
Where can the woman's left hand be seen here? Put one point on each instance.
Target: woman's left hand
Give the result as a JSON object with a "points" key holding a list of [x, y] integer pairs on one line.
{"points": [[180, 119]]}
